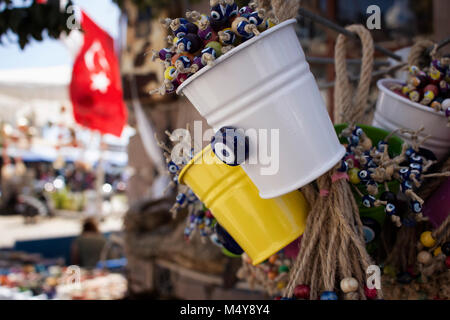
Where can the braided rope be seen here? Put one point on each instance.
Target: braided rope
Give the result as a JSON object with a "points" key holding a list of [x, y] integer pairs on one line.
{"points": [[350, 107], [285, 9], [416, 56]]}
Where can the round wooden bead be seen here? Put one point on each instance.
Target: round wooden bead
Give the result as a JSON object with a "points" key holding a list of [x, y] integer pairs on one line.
{"points": [[426, 238], [302, 291], [273, 259], [349, 285], [446, 248], [272, 275], [353, 176], [424, 257], [328, 295]]}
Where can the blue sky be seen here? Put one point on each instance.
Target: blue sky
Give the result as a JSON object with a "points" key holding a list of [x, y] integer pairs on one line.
{"points": [[52, 52]]}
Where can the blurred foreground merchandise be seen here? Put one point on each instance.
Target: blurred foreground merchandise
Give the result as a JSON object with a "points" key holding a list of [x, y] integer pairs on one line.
{"points": [[33, 21]]}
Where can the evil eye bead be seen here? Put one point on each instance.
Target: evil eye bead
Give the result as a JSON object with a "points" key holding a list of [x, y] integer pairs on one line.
{"points": [[181, 198], [371, 229], [406, 185], [416, 207], [368, 201], [358, 131], [165, 54], [173, 168], [171, 73], [230, 145], [414, 96], [404, 173], [328, 295], [216, 46], [227, 240], [363, 175], [413, 70], [381, 145], [231, 10], [415, 166], [353, 140], [215, 240], [191, 197], [192, 43], [409, 152], [185, 61], [343, 167], [390, 209], [232, 37], [416, 158], [255, 19], [245, 11]]}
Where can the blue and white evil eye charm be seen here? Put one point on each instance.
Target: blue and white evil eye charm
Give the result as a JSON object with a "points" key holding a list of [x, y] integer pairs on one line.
{"points": [[416, 207], [181, 198], [406, 185], [404, 173], [173, 168], [184, 62], [353, 140], [190, 43], [227, 37], [245, 12], [409, 152], [171, 73], [416, 158], [210, 51], [255, 18], [191, 197], [343, 167], [363, 175], [416, 166], [390, 209], [381, 145], [358, 131], [371, 229], [368, 201]]}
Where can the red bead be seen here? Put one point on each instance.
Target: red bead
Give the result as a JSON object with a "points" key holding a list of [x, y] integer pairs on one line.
{"points": [[370, 293], [433, 88], [447, 262], [277, 298], [208, 214], [302, 291]]}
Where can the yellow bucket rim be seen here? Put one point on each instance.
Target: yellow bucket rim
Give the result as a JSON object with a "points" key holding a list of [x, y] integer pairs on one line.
{"points": [[192, 162]]}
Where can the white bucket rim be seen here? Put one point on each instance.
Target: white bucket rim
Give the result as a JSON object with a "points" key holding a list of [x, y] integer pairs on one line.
{"points": [[381, 84], [233, 52]]}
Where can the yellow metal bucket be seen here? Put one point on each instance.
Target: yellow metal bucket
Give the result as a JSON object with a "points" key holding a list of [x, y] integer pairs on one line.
{"points": [[261, 227]]}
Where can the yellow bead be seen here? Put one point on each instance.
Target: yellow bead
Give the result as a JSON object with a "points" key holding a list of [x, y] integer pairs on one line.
{"points": [[437, 251], [281, 285], [427, 240], [353, 175]]}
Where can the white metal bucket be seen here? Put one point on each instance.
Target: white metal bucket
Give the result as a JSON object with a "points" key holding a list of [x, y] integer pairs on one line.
{"points": [[266, 83], [394, 112]]}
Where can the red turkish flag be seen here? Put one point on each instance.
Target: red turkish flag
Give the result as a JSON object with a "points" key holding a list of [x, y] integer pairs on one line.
{"points": [[96, 87]]}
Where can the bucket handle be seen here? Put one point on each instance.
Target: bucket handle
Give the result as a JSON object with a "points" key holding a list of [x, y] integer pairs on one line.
{"points": [[350, 107]]}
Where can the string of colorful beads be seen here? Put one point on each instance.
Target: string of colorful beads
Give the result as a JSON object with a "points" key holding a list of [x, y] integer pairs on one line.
{"points": [[198, 40], [273, 273], [428, 242], [370, 166], [429, 87]]}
